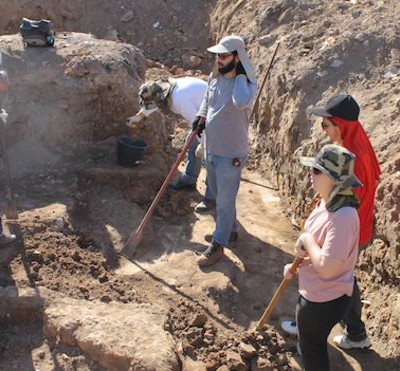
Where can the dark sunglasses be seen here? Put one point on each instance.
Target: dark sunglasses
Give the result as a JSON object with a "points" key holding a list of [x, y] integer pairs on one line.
{"points": [[316, 171], [223, 55], [325, 125]]}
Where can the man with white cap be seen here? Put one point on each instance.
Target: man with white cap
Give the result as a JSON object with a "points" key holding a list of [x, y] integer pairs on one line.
{"points": [[225, 111]]}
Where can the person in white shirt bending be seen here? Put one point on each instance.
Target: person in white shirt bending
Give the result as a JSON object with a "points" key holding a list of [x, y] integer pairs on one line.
{"points": [[182, 96]]}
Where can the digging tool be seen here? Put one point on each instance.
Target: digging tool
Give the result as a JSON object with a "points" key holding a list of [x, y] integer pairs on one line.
{"points": [[136, 236], [284, 283], [264, 81], [11, 209], [278, 294]]}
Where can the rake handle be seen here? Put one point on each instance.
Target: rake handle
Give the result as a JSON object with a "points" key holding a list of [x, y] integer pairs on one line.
{"points": [[135, 237], [263, 82]]}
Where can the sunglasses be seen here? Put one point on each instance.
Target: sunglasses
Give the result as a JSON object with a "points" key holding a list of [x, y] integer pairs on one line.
{"points": [[223, 55], [316, 171], [325, 125]]}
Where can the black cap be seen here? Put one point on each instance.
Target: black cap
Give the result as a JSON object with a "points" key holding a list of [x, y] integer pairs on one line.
{"points": [[341, 105]]}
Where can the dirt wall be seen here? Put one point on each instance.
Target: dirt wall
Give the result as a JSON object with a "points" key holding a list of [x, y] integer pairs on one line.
{"points": [[326, 48], [165, 31]]}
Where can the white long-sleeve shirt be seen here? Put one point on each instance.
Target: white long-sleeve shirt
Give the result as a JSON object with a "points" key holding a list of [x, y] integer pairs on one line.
{"points": [[186, 98]]}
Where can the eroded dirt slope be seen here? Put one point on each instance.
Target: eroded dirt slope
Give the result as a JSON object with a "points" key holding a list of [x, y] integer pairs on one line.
{"points": [[326, 48]]}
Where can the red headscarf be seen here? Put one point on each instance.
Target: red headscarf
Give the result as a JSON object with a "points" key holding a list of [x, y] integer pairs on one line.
{"points": [[366, 168]]}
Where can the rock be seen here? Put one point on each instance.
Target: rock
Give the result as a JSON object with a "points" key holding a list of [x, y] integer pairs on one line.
{"points": [[336, 63], [198, 320], [261, 364], [127, 17], [247, 350], [188, 348], [117, 336], [391, 73], [191, 61], [322, 73], [235, 361], [111, 35], [267, 40], [194, 336]]}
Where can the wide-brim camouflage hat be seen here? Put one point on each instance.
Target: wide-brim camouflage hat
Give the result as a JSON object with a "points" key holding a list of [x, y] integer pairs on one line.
{"points": [[337, 162], [153, 94], [229, 44]]}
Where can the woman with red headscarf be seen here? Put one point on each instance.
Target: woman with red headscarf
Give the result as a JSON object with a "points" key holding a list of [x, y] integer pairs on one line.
{"points": [[343, 127], [340, 122]]}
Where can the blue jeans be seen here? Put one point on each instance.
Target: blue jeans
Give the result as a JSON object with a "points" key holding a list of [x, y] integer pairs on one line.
{"points": [[193, 167], [223, 179], [193, 164]]}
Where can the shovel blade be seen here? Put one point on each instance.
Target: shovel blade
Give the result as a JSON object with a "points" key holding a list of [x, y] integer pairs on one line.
{"points": [[131, 244]]}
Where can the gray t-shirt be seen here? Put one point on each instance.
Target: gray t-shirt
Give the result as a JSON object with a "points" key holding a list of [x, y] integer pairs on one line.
{"points": [[227, 106]]}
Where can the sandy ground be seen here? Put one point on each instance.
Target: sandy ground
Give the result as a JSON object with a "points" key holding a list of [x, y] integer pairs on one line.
{"points": [[232, 294]]}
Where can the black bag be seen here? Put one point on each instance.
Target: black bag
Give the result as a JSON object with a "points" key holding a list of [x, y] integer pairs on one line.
{"points": [[36, 33]]}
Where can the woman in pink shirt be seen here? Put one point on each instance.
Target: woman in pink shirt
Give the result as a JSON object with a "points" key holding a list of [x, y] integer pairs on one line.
{"points": [[329, 246]]}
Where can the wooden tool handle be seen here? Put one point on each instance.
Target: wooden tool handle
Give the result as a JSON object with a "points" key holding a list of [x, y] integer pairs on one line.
{"points": [[136, 236], [279, 292]]}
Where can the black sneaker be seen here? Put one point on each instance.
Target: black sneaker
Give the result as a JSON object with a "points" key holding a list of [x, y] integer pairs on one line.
{"points": [[232, 238], [180, 185], [211, 255]]}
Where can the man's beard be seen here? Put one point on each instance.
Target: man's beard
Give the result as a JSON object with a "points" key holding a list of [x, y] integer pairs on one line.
{"points": [[227, 68]]}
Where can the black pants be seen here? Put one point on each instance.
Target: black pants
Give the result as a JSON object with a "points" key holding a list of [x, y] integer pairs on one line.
{"points": [[354, 325], [315, 321]]}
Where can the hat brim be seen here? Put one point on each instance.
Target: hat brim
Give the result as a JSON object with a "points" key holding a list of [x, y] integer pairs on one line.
{"points": [[320, 111], [351, 182], [310, 162], [219, 49]]}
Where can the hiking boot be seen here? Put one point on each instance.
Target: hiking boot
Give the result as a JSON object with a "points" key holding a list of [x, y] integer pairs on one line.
{"points": [[180, 186], [342, 341], [7, 239], [211, 255], [205, 205], [232, 238], [290, 327]]}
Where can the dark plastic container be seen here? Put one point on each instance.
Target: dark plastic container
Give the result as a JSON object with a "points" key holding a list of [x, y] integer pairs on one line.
{"points": [[130, 151]]}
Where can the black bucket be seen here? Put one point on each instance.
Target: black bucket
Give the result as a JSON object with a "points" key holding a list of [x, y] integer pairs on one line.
{"points": [[130, 151]]}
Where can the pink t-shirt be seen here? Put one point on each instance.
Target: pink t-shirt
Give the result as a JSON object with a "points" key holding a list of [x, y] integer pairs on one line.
{"points": [[337, 233]]}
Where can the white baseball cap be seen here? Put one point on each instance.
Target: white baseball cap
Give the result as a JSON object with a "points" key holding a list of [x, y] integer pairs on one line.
{"points": [[231, 43]]}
